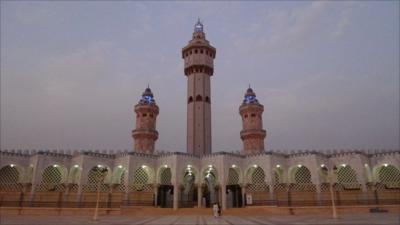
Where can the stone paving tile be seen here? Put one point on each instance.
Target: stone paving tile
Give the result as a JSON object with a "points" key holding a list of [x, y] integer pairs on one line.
{"points": [[361, 219], [187, 220]]}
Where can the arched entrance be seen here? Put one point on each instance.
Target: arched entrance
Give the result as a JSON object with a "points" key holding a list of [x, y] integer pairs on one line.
{"points": [[189, 190], [233, 189], [210, 187], [257, 188], [166, 189]]}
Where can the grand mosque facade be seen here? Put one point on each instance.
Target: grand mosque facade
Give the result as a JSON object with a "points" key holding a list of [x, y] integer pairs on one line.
{"points": [[198, 178]]}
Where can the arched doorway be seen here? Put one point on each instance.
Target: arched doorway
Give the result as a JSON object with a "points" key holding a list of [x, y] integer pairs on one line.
{"points": [[387, 188], [257, 188], [210, 186], [11, 189], [166, 189], [141, 188], [233, 189], [97, 181], [302, 190], [189, 190], [348, 189]]}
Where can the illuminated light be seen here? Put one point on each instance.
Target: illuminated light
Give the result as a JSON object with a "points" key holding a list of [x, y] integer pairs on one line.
{"points": [[255, 166], [278, 166], [99, 166], [366, 165], [210, 166], [385, 165], [344, 165], [233, 166], [12, 165], [188, 166], [76, 166], [144, 166], [322, 165], [165, 166], [55, 165], [120, 166], [299, 165]]}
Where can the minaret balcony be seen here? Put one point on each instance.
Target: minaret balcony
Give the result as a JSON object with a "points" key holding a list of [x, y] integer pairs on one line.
{"points": [[253, 133]]}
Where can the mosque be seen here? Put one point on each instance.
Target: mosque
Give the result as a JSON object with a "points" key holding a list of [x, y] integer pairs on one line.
{"points": [[199, 177]]}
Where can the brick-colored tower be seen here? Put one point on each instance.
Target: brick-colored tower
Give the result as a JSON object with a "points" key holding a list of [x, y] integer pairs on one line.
{"points": [[145, 133], [199, 67], [253, 133]]}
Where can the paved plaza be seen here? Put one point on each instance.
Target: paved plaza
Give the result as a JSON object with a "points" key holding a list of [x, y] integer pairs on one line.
{"points": [[355, 219]]}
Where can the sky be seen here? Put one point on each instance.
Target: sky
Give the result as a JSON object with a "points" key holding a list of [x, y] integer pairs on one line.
{"points": [[327, 72]]}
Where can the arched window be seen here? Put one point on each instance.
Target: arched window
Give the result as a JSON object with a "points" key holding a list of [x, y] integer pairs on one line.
{"points": [[207, 99], [144, 114], [190, 99], [201, 51], [199, 98], [245, 115], [253, 115], [195, 51]]}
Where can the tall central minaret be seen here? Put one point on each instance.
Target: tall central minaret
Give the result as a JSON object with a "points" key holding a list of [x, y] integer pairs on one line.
{"points": [[199, 67]]}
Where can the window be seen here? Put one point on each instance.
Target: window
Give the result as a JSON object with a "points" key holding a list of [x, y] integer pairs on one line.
{"points": [[144, 115], [201, 51], [195, 51], [245, 115], [199, 98], [253, 115], [151, 115], [207, 99], [190, 99]]}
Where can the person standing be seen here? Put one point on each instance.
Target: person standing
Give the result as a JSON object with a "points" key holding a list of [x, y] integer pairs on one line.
{"points": [[215, 210]]}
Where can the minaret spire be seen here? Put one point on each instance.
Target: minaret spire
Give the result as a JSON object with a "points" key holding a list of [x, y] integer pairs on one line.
{"points": [[252, 134], [145, 134], [199, 56]]}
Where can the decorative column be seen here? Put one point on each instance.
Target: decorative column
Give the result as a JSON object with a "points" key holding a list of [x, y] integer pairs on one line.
{"points": [[243, 186], [176, 197], [223, 196], [199, 196], [156, 195]]}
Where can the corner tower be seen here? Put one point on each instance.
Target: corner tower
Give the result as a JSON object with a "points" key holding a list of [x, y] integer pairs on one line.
{"points": [[199, 67], [145, 133], [253, 134]]}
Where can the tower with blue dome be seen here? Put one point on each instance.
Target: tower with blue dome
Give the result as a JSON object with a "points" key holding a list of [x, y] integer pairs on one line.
{"points": [[252, 134], [145, 134]]}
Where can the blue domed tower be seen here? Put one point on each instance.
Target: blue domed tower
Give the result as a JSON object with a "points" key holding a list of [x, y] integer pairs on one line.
{"points": [[145, 133], [252, 134]]}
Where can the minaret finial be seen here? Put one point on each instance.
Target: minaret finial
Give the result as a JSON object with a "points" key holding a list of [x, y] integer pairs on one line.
{"points": [[249, 85], [148, 86]]}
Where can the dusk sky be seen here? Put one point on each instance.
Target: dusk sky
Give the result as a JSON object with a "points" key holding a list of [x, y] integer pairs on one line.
{"points": [[326, 72]]}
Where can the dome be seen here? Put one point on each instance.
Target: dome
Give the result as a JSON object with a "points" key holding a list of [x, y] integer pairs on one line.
{"points": [[250, 97], [147, 97], [198, 27]]}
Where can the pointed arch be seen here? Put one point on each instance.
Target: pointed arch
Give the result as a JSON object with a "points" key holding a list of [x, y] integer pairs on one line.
{"points": [[199, 98]]}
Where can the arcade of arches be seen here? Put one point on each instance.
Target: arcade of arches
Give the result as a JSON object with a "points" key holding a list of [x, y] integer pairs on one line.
{"points": [[179, 180]]}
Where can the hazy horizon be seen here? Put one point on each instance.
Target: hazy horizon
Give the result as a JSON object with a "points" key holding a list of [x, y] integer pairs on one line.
{"points": [[326, 72]]}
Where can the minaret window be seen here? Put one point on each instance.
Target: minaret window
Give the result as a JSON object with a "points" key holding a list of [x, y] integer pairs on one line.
{"points": [[195, 51], [201, 51], [207, 99], [253, 115], [199, 98], [144, 115], [190, 99], [245, 116], [151, 115]]}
